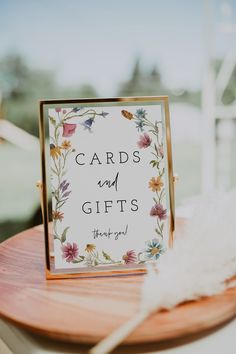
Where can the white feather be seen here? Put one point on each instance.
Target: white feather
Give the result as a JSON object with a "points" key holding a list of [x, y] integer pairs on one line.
{"points": [[203, 258]]}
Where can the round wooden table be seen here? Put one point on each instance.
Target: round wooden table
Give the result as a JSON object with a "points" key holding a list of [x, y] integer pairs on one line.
{"points": [[87, 310]]}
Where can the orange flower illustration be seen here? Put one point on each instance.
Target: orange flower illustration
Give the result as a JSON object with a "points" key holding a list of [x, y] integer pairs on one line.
{"points": [[127, 114], [66, 144], [90, 247], [57, 215], [55, 151], [155, 184]]}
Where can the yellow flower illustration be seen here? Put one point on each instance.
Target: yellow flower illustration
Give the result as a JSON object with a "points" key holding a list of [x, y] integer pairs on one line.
{"points": [[55, 151], [155, 184], [154, 251], [66, 144], [90, 247]]}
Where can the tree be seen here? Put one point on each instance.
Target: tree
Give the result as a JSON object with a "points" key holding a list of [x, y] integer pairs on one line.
{"points": [[23, 87]]}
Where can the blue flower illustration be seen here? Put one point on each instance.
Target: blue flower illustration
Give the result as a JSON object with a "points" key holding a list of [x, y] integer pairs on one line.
{"points": [[139, 125], [88, 123], [154, 249], [141, 113], [104, 114]]}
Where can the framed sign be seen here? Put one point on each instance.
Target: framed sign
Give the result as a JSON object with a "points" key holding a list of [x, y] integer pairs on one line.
{"points": [[107, 169]]}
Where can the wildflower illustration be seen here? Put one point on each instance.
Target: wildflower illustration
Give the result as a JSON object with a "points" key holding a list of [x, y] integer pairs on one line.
{"points": [[60, 150], [152, 139], [154, 249], [68, 129], [156, 184], [70, 251], [144, 141], [158, 210], [130, 257]]}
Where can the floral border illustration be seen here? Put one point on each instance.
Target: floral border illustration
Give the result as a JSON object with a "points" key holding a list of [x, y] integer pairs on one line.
{"points": [[155, 144], [60, 150]]}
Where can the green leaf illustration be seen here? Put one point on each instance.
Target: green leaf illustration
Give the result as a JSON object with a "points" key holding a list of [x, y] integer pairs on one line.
{"points": [[63, 173], [52, 120], [96, 262], [162, 173], [106, 256], [63, 236], [156, 148], [54, 171], [77, 261], [56, 238]]}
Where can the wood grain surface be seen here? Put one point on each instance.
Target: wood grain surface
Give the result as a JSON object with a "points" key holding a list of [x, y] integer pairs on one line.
{"points": [[87, 310]]}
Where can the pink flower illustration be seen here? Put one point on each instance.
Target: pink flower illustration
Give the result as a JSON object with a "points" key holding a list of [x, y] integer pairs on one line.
{"points": [[69, 251], [129, 257], [68, 129], [158, 210], [161, 151], [144, 141], [58, 109]]}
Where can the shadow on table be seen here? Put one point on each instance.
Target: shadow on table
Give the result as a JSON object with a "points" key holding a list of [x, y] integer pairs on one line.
{"points": [[148, 348]]}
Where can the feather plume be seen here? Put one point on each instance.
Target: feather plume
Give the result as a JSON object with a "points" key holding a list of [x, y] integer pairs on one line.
{"points": [[202, 260]]}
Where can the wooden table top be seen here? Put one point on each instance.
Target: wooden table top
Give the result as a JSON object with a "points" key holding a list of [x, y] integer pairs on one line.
{"points": [[87, 310]]}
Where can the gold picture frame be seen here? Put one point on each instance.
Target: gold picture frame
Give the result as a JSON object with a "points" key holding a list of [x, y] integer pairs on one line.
{"points": [[121, 102]]}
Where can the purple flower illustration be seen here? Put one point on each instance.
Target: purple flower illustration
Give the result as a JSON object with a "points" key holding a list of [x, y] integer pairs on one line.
{"points": [[62, 183], [68, 129], [70, 251], [66, 194], [158, 210], [64, 188], [130, 257], [144, 141], [88, 123]]}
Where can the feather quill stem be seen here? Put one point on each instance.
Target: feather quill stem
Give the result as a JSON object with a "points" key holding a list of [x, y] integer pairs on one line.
{"points": [[200, 265]]}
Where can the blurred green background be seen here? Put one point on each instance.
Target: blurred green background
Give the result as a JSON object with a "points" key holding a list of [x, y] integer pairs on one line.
{"points": [[138, 67]]}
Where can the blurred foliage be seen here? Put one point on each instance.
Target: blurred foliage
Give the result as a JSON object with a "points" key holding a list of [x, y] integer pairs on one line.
{"points": [[149, 83], [22, 87]]}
